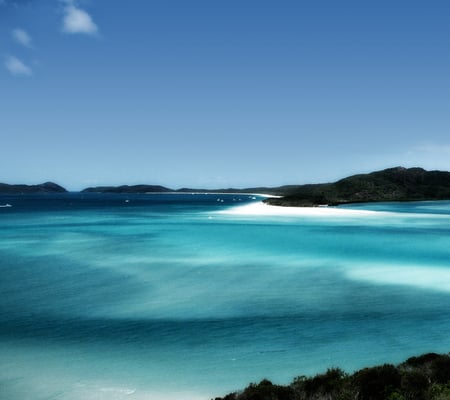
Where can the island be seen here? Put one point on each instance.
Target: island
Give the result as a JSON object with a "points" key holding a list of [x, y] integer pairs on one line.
{"points": [[127, 189], [393, 184], [426, 377], [47, 187], [162, 189]]}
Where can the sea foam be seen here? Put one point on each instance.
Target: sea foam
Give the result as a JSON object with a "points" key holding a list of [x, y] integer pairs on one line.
{"points": [[432, 278]]}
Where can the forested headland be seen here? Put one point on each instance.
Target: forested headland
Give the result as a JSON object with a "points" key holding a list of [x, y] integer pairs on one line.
{"points": [[426, 377]]}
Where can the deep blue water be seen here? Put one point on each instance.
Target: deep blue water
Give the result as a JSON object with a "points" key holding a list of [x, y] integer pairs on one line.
{"points": [[164, 296]]}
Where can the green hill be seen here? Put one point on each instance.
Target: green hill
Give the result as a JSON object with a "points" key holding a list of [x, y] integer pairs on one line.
{"points": [[47, 187], [127, 189], [393, 184]]}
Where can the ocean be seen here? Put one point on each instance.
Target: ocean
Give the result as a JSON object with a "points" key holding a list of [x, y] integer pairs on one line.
{"points": [[191, 296]]}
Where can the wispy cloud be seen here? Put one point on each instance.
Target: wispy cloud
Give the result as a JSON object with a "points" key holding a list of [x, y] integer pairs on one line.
{"points": [[443, 149], [17, 67], [21, 37], [77, 20], [427, 155], [14, 3]]}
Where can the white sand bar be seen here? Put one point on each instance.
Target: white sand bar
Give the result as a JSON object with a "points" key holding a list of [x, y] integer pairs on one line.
{"points": [[260, 208]]}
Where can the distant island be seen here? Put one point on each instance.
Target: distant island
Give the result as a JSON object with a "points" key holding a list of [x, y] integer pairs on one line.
{"points": [[426, 377], [162, 189], [127, 189], [392, 184], [47, 187]]}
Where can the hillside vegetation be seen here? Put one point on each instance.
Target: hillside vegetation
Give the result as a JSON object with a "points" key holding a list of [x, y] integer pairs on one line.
{"points": [[127, 189], [47, 187], [393, 184], [426, 377]]}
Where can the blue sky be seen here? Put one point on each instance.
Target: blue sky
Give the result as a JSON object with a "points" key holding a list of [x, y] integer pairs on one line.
{"points": [[213, 93]]}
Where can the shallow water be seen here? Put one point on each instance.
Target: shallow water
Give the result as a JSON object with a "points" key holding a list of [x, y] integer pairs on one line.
{"points": [[183, 297]]}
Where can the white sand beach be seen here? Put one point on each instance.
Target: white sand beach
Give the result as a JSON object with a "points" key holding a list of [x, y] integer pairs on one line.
{"points": [[262, 209]]}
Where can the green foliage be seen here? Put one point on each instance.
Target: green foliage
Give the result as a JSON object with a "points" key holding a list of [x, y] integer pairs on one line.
{"points": [[426, 377], [377, 383], [323, 386], [47, 187], [127, 189], [265, 390], [440, 369], [395, 396], [440, 392], [414, 385], [421, 361], [394, 184]]}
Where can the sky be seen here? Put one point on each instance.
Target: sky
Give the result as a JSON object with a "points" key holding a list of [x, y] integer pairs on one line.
{"points": [[221, 93]]}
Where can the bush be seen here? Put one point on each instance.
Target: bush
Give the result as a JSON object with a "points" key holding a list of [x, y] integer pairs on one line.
{"points": [[265, 390], [421, 361], [440, 392], [414, 385], [440, 369], [327, 385], [376, 383], [426, 377]]}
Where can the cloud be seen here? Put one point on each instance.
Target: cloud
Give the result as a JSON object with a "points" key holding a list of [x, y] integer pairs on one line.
{"points": [[431, 155], [21, 37], [17, 67], [14, 3], [436, 149], [77, 20]]}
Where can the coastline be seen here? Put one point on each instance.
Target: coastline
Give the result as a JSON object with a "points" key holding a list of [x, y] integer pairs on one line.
{"points": [[263, 209]]}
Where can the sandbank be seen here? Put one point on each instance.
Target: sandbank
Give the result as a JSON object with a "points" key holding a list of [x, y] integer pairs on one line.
{"points": [[262, 209]]}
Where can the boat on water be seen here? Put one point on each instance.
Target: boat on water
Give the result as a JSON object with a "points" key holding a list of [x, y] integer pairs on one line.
{"points": [[5, 205]]}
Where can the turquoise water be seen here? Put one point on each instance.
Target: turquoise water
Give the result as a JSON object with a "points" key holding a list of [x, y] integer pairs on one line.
{"points": [[178, 297]]}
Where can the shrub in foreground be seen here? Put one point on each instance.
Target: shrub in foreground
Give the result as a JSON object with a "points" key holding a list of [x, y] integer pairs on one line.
{"points": [[426, 377]]}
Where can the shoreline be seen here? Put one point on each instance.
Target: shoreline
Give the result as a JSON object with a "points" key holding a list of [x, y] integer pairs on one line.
{"points": [[263, 209]]}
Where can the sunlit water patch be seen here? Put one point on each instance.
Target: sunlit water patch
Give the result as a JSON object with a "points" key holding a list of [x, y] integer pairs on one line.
{"points": [[191, 296]]}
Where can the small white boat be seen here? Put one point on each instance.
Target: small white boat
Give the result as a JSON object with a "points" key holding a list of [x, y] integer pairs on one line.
{"points": [[5, 205]]}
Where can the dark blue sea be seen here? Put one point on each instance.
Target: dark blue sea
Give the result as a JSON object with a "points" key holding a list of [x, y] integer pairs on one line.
{"points": [[190, 296]]}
